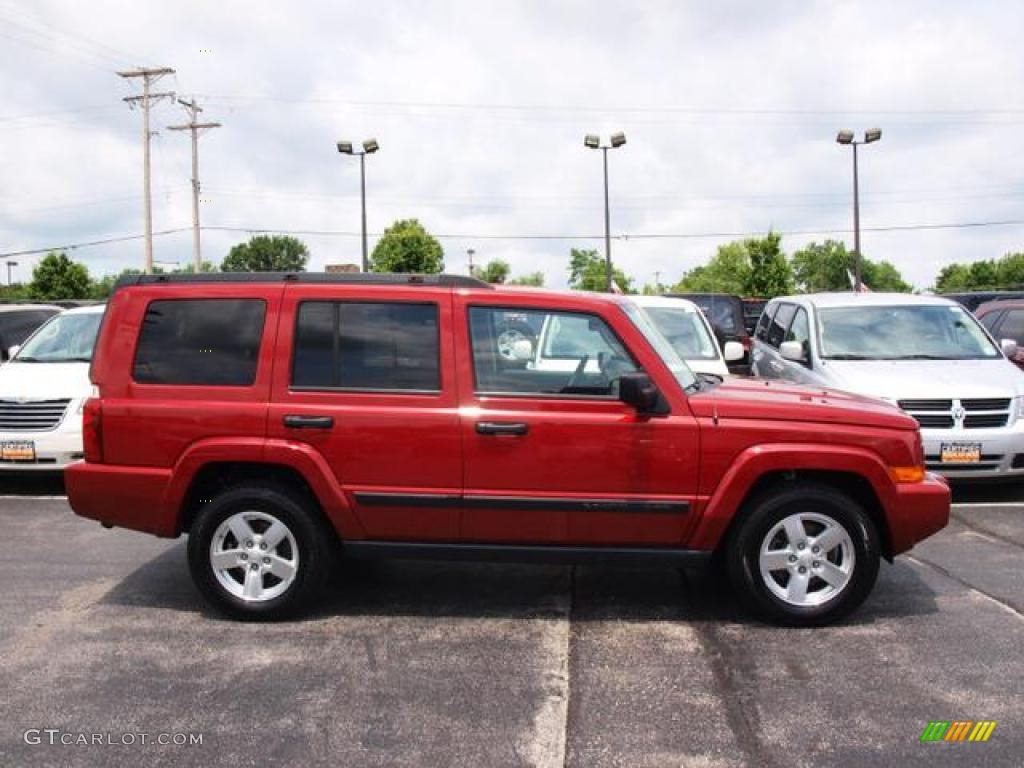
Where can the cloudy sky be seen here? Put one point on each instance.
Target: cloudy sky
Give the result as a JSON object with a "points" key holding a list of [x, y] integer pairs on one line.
{"points": [[730, 110]]}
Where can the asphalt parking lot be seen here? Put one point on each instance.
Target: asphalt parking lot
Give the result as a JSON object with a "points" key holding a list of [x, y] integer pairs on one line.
{"points": [[495, 665]]}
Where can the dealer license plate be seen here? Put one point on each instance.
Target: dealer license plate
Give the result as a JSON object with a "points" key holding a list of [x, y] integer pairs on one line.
{"points": [[18, 450], [960, 453]]}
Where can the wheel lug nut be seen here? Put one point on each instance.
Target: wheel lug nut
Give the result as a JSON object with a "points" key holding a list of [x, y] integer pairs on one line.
{"points": [[255, 566], [815, 550], [801, 545], [243, 556], [266, 561], [248, 543], [816, 564], [792, 558], [263, 545], [802, 569]]}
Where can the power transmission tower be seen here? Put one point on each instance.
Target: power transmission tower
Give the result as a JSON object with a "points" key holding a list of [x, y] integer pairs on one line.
{"points": [[149, 76], [194, 127]]}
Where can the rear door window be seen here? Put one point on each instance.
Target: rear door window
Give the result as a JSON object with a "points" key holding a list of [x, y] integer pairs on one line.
{"points": [[213, 342], [765, 322], [1012, 326], [367, 346]]}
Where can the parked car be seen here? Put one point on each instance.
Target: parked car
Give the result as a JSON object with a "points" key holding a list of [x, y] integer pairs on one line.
{"points": [[42, 389], [274, 417], [974, 299], [688, 331], [752, 309], [1004, 319], [18, 321], [925, 353], [726, 315]]}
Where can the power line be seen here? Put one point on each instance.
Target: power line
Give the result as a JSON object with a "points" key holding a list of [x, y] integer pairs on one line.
{"points": [[458, 236]]}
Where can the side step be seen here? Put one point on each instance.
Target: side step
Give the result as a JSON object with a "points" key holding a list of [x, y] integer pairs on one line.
{"points": [[527, 553]]}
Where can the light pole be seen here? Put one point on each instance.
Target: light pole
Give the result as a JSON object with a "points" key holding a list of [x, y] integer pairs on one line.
{"points": [[10, 266], [593, 141], [469, 254], [369, 147], [846, 137]]}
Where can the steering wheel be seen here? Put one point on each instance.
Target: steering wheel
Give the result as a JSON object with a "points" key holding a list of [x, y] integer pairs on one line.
{"points": [[577, 376]]}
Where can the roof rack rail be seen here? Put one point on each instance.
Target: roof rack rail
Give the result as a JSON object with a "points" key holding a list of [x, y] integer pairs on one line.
{"points": [[350, 278]]}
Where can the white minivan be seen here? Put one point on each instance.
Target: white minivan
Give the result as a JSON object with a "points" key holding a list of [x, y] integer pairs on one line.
{"points": [[925, 354], [42, 389]]}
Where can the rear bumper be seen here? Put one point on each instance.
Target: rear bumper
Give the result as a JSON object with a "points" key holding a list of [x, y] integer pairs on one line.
{"points": [[921, 509], [129, 497]]}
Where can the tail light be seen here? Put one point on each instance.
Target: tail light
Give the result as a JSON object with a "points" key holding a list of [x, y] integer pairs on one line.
{"points": [[92, 430]]}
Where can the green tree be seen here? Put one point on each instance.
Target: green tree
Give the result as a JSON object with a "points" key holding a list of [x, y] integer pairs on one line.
{"points": [[728, 271], [267, 253], [983, 274], [882, 276], [587, 272], [407, 247], [536, 279], [953, 278], [58, 277], [819, 267], [770, 274], [495, 271], [1010, 271]]}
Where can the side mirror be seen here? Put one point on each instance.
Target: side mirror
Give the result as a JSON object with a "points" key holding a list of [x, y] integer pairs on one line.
{"points": [[733, 351], [637, 390], [13, 350], [522, 349], [792, 350], [1009, 347]]}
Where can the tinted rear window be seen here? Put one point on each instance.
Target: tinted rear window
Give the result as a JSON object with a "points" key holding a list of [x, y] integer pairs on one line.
{"points": [[367, 346], [200, 341]]}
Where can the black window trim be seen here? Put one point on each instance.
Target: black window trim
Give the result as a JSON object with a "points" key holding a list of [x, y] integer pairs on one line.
{"points": [[769, 311], [785, 330], [138, 339], [336, 305], [541, 395]]}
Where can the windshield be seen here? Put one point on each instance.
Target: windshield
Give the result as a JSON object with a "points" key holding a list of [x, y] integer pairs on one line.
{"points": [[685, 331], [64, 338], [661, 345], [903, 333]]}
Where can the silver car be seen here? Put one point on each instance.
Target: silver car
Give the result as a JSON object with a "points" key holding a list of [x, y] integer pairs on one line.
{"points": [[926, 354]]}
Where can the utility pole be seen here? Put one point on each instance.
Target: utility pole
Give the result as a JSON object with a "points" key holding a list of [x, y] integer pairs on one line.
{"points": [[194, 127], [149, 76], [469, 253], [10, 266]]}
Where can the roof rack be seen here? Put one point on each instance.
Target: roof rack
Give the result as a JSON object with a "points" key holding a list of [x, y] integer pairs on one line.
{"points": [[349, 278]]}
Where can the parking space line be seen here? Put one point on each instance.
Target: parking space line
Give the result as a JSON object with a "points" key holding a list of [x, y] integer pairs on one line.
{"points": [[952, 576], [978, 504], [31, 497]]}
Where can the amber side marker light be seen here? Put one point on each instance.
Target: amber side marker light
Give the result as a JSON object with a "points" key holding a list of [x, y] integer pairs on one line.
{"points": [[907, 474]]}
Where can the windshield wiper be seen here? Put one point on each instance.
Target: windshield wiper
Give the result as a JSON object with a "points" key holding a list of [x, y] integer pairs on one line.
{"points": [[849, 357], [920, 357], [27, 359]]}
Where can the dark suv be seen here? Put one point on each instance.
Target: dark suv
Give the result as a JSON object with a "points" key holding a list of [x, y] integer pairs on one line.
{"points": [[280, 418]]}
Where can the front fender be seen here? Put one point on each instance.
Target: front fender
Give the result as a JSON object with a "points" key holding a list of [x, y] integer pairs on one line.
{"points": [[756, 461]]}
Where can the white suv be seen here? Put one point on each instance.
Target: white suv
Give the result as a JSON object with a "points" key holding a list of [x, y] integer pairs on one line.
{"points": [[926, 354], [42, 389]]}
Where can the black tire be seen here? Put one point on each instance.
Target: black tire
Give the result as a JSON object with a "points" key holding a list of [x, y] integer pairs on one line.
{"points": [[314, 541], [743, 550]]}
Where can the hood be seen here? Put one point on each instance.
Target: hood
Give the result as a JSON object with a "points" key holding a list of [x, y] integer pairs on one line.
{"points": [[927, 379], [744, 398], [44, 381]]}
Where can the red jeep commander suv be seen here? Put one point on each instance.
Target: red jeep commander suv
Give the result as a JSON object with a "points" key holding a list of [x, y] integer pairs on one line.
{"points": [[280, 418]]}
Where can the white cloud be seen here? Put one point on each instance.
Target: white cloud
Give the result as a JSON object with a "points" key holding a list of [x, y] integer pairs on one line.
{"points": [[288, 80]]}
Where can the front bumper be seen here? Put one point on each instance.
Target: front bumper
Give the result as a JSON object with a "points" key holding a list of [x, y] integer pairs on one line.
{"points": [[921, 509], [1002, 451], [54, 449]]}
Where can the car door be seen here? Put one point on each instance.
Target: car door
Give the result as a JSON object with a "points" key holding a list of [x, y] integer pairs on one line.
{"points": [[799, 330], [760, 352], [364, 375], [553, 456]]}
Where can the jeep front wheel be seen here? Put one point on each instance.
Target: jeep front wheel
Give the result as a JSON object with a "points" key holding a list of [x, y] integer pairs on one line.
{"points": [[805, 556], [259, 552]]}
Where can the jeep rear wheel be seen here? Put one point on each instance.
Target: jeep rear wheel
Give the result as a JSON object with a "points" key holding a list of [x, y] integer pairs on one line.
{"points": [[259, 552], [804, 556]]}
